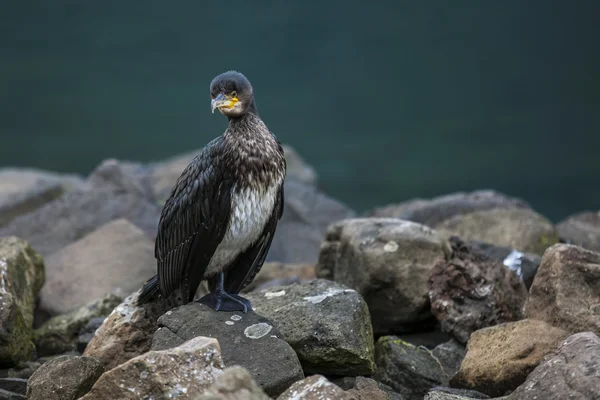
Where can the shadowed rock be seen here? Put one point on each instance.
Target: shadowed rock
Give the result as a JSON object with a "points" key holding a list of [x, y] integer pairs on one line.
{"points": [[581, 229]]}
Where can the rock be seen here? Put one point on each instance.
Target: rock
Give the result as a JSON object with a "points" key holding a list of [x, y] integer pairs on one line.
{"points": [[64, 378], [450, 356], [407, 369], [86, 334], [235, 383], [571, 373], [122, 176], [388, 262], [308, 213], [470, 291], [183, 372], [565, 290], [59, 334], [525, 265], [247, 340], [24, 190], [21, 278], [298, 168], [315, 387], [581, 229], [23, 370], [499, 358], [432, 212], [278, 274], [126, 333], [521, 229], [369, 389], [429, 339], [15, 385], [327, 324], [444, 393], [116, 257]]}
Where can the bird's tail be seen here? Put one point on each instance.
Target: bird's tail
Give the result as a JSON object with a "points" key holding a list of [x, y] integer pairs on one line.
{"points": [[149, 291]]}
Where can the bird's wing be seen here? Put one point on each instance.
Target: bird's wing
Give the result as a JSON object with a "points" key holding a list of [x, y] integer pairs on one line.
{"points": [[249, 263], [193, 223]]}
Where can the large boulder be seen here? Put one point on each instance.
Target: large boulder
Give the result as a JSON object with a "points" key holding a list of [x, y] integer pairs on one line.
{"points": [[247, 340], [116, 257], [499, 358], [327, 324], [565, 290], [581, 229], [569, 373], [388, 261], [470, 291], [21, 278]]}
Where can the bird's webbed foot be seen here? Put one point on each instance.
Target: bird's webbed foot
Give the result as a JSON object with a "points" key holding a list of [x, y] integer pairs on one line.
{"points": [[221, 301]]}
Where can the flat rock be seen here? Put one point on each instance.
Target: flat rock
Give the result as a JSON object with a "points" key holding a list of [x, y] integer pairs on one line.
{"points": [[470, 291], [444, 393], [327, 324], [126, 333], [581, 229], [388, 262], [235, 383], [315, 387], [521, 229], [279, 274], [182, 372], [565, 290], [572, 372], [21, 278], [116, 257], [247, 340], [64, 378], [499, 358], [59, 334]]}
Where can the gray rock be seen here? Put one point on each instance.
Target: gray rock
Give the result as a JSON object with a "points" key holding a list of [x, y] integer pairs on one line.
{"points": [[327, 324], [277, 274], [64, 378], [16, 385], [6, 395], [315, 387], [369, 389], [59, 334], [298, 168], [183, 372], [86, 334], [122, 176], [21, 278], [235, 383], [117, 257], [581, 229], [570, 373], [433, 211], [388, 262], [450, 356], [247, 340], [23, 370], [445, 393]]}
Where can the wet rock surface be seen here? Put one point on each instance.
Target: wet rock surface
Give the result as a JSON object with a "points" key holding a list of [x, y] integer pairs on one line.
{"points": [[581, 229], [327, 324], [248, 340], [499, 358], [64, 378], [470, 291], [387, 261], [21, 278], [235, 383], [315, 387], [566, 290]]}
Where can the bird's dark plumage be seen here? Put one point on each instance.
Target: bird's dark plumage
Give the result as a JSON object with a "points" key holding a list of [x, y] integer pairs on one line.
{"points": [[220, 219]]}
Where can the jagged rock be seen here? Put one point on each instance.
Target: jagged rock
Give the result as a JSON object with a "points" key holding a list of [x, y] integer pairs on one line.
{"points": [[499, 358], [444, 393], [182, 372], [315, 387], [521, 229], [126, 333], [247, 340], [581, 229], [565, 290], [64, 378], [388, 262], [471, 291], [327, 324], [116, 257], [86, 334], [369, 389], [279, 274], [15, 385], [59, 334], [23, 190], [21, 278], [235, 383], [569, 373], [432, 212]]}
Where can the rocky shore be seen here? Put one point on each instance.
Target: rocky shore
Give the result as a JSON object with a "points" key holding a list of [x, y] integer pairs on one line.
{"points": [[464, 296]]}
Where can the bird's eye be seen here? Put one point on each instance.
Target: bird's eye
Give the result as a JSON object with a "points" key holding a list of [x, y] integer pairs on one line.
{"points": [[234, 94]]}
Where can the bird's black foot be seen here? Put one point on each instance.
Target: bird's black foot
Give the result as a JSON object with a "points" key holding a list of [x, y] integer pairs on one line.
{"points": [[221, 301]]}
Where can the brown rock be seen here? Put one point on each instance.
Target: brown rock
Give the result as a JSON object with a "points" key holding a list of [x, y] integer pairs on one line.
{"points": [[581, 229], [518, 228], [235, 383], [276, 274], [566, 289], [315, 387], [369, 389], [471, 291], [499, 358], [116, 257]]}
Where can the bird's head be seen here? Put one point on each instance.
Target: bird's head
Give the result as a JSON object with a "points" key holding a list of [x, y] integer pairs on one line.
{"points": [[231, 93]]}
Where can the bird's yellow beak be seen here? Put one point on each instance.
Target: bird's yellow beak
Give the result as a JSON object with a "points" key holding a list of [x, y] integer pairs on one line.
{"points": [[223, 101]]}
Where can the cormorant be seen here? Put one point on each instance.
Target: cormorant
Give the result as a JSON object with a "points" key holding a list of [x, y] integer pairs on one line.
{"points": [[220, 218]]}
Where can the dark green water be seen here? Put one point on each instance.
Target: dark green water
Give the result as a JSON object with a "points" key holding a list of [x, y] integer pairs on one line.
{"points": [[388, 100]]}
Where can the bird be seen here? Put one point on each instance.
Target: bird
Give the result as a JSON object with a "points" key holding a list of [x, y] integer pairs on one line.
{"points": [[218, 223]]}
